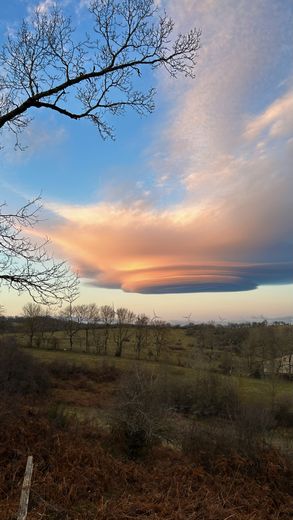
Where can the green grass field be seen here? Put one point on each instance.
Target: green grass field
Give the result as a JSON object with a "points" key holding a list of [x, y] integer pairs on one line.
{"points": [[250, 388]]}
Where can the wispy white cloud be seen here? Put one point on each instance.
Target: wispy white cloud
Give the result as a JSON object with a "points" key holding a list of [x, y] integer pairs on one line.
{"points": [[276, 120], [242, 46]]}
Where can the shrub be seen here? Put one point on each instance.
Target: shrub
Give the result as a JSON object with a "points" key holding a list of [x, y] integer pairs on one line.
{"points": [[216, 395], [139, 417], [209, 395], [179, 397], [20, 373]]}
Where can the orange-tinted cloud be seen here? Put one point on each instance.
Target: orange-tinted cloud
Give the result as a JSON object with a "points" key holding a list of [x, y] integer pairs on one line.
{"points": [[217, 247]]}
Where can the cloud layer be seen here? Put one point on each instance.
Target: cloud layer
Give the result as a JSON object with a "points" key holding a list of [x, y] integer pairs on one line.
{"points": [[226, 144]]}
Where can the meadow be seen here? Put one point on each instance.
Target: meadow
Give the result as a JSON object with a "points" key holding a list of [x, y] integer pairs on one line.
{"points": [[201, 430]]}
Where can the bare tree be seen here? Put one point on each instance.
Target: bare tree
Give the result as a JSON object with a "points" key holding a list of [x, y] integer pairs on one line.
{"points": [[107, 317], [124, 319], [25, 264], [94, 319], [139, 415], [141, 333], [160, 334], [87, 316], [72, 322], [32, 313], [44, 66]]}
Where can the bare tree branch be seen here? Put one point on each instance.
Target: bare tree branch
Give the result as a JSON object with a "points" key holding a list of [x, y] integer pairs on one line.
{"points": [[44, 66], [25, 264]]}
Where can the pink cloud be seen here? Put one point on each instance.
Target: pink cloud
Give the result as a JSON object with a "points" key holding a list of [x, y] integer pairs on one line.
{"points": [[223, 245]]}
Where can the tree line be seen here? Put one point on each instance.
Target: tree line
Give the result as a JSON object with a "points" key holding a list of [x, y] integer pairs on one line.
{"points": [[252, 348], [100, 325]]}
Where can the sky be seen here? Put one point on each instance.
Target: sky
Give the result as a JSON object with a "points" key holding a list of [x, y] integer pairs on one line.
{"points": [[189, 211]]}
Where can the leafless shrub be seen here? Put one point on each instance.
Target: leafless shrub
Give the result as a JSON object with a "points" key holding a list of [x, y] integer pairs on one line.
{"points": [[216, 395], [180, 397], [139, 416], [209, 395]]}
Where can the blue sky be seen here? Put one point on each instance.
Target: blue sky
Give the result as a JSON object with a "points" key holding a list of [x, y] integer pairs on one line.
{"points": [[189, 210]]}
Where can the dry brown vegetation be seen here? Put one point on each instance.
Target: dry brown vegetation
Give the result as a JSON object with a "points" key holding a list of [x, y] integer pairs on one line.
{"points": [[76, 477], [215, 467]]}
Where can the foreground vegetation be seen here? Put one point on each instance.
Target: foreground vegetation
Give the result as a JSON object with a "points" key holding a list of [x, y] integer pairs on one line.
{"points": [[114, 437]]}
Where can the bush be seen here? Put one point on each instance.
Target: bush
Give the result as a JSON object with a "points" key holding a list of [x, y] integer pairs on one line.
{"points": [[20, 373], [139, 417], [209, 395], [179, 397], [216, 396]]}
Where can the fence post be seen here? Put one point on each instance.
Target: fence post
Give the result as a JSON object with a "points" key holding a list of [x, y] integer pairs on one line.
{"points": [[25, 492]]}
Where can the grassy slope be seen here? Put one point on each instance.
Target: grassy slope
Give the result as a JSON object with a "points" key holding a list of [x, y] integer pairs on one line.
{"points": [[250, 387]]}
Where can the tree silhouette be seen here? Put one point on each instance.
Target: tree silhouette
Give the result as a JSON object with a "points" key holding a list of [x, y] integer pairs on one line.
{"points": [[44, 66], [25, 264]]}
